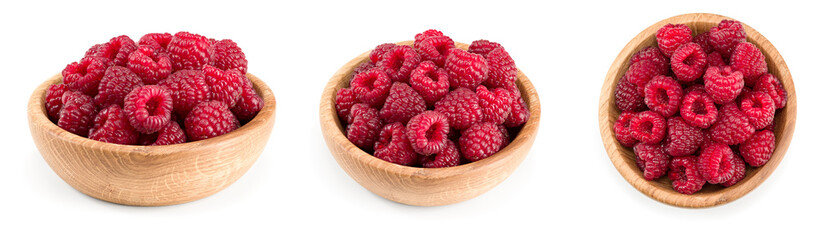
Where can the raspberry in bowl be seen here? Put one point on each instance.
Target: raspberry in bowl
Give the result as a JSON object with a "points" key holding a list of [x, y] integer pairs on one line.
{"points": [[122, 125], [697, 110], [407, 122]]}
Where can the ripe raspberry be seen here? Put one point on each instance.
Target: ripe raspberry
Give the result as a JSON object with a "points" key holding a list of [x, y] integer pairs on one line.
{"points": [[714, 59], [651, 53], [749, 60], [622, 132], [84, 76], [739, 171], [672, 36], [150, 64], [117, 82], [685, 178], [148, 108], [480, 141], [483, 47], [653, 158], [95, 50], [377, 53], [732, 126], [111, 126], [698, 109], [363, 126], [757, 150], [170, 134], [54, 101], [225, 85], [448, 157], [393, 146], [683, 139], [461, 107], [363, 67], [716, 163], [725, 36], [427, 34], [427, 132], [507, 138], [430, 81], [466, 69], [627, 97], [249, 104], [435, 49], [702, 40], [401, 104], [345, 99], [399, 62], [188, 89], [117, 50], [496, 104], [371, 87], [759, 107], [156, 39], [663, 95], [502, 69], [210, 119], [641, 72], [769, 84], [77, 113], [189, 51], [227, 55], [688, 62], [723, 84], [519, 114], [648, 127]]}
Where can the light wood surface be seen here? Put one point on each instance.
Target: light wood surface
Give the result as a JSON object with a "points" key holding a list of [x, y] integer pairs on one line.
{"points": [[710, 195], [423, 186], [150, 175]]}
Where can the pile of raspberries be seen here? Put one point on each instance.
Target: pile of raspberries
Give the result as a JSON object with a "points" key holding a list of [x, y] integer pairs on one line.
{"points": [[698, 107], [431, 104], [164, 89]]}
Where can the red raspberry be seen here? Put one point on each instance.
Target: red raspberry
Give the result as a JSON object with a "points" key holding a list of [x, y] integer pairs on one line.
{"points": [[430, 81], [363, 67], [149, 64], [714, 59], [648, 127], [401, 104], [111, 126], [427, 132], [769, 84], [641, 72], [156, 39], [435, 49], [739, 171], [427, 34], [54, 101], [189, 51], [249, 104], [466, 69], [749, 60], [188, 89], [732, 126], [685, 178], [507, 138], [622, 132], [759, 107], [716, 163], [757, 150], [225, 85], [84, 76], [483, 47], [363, 126], [117, 82], [683, 139], [77, 113], [393, 146], [345, 99], [227, 55], [377, 53], [653, 159], [723, 84], [725, 36], [650, 53], [95, 50], [480, 141], [371, 87], [461, 107], [698, 109], [210, 119], [148, 108], [627, 97], [399, 62], [519, 114], [448, 157], [496, 104], [688, 62], [170, 134], [672, 36], [702, 40], [117, 50], [502, 69], [663, 95]]}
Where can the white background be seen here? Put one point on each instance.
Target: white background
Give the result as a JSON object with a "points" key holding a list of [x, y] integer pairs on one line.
{"points": [[566, 188]]}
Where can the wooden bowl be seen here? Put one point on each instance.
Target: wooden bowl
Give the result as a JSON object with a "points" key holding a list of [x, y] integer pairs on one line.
{"points": [[710, 195], [423, 186], [150, 175]]}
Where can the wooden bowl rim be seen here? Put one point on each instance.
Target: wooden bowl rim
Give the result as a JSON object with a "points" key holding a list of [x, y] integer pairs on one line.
{"points": [[499, 158], [668, 195]]}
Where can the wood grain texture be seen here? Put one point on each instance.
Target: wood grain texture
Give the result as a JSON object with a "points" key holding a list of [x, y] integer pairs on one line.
{"points": [[710, 195], [150, 175], [423, 186]]}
